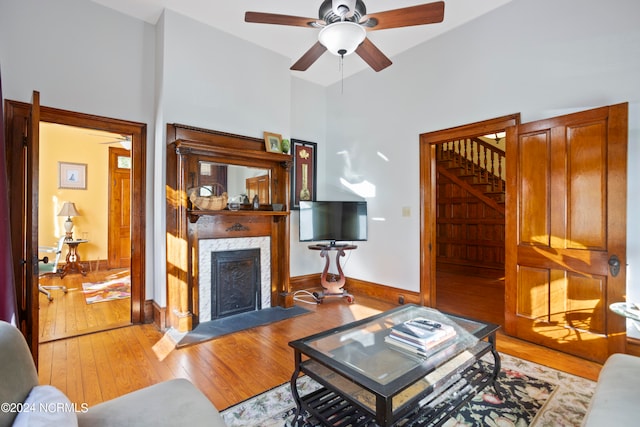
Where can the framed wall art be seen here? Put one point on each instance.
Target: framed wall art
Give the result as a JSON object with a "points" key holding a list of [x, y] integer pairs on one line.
{"points": [[273, 142], [72, 175], [303, 177]]}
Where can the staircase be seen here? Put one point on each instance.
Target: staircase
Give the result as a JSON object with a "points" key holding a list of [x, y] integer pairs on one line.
{"points": [[477, 166], [470, 206]]}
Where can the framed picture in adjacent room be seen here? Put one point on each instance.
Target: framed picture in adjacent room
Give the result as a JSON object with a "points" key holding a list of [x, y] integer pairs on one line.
{"points": [[303, 176], [72, 175]]}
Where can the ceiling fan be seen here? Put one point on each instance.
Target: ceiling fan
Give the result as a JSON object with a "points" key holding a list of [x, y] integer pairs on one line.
{"points": [[343, 26], [123, 140]]}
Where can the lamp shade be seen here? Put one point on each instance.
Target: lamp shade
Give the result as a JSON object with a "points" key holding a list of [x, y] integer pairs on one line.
{"points": [[68, 209], [342, 38]]}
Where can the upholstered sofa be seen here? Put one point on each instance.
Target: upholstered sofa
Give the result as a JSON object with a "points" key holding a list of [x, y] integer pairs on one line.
{"points": [[616, 401], [171, 403]]}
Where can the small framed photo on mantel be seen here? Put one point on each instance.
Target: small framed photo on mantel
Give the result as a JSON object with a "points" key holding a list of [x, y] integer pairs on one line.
{"points": [[303, 177], [273, 142]]}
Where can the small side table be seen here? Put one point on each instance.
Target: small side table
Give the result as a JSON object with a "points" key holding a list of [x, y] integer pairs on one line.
{"points": [[72, 262], [332, 288], [628, 310]]}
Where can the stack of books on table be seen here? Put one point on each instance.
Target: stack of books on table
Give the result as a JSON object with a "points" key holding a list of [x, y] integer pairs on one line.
{"points": [[419, 336]]}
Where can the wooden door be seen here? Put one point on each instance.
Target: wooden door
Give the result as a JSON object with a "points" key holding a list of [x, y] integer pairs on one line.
{"points": [[566, 219], [30, 276], [260, 186], [119, 241], [22, 150]]}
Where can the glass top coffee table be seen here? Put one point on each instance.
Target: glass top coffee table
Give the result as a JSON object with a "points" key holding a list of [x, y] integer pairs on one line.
{"points": [[369, 379]]}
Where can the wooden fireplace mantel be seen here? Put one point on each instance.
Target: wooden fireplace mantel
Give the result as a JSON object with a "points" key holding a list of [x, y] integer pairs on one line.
{"points": [[186, 224]]}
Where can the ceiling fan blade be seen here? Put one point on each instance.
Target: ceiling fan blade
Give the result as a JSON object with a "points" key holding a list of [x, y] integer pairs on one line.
{"points": [[372, 55], [274, 18], [309, 57], [430, 13]]}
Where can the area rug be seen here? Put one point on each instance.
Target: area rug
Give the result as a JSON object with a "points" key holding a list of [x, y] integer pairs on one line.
{"points": [[107, 291], [206, 331], [534, 395]]}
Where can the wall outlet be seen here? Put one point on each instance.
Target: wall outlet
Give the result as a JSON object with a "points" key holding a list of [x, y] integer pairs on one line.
{"points": [[406, 211]]}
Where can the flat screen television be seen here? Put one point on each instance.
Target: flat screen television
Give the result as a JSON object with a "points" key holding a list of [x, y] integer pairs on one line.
{"points": [[333, 221]]}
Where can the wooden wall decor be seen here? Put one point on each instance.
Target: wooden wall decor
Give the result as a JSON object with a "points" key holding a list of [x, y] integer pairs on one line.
{"points": [[303, 182]]}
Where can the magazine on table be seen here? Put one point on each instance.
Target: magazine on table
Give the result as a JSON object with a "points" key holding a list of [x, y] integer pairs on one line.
{"points": [[420, 334]]}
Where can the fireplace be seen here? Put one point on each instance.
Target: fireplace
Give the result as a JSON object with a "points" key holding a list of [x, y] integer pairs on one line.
{"points": [[234, 276], [235, 282], [193, 233]]}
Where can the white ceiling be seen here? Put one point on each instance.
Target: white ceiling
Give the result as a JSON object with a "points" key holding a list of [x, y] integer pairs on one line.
{"points": [[293, 42]]}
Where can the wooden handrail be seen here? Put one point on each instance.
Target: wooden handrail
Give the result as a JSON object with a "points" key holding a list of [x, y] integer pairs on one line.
{"points": [[477, 158]]}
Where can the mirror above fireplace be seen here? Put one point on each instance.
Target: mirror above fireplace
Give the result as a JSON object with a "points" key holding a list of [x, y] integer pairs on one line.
{"points": [[237, 181]]}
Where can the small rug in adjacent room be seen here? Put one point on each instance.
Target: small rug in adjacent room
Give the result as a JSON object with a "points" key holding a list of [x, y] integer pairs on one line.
{"points": [[534, 395], [206, 331], [107, 291]]}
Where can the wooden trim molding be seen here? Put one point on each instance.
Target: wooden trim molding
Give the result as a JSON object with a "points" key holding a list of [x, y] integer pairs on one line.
{"points": [[633, 346], [311, 282], [307, 282], [382, 292], [158, 314]]}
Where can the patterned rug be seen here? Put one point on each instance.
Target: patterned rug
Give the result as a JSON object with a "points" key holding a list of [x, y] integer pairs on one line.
{"points": [[107, 291], [534, 395]]}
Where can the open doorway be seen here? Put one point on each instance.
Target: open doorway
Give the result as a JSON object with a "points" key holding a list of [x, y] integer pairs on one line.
{"points": [[22, 122], [84, 183], [463, 219]]}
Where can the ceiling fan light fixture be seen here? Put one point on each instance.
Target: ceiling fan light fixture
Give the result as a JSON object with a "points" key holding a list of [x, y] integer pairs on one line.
{"points": [[342, 38]]}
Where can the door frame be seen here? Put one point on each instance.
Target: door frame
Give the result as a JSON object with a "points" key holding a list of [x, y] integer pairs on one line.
{"points": [[15, 111], [428, 190]]}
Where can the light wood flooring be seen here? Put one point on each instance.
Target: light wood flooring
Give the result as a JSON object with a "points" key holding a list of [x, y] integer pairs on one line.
{"points": [[97, 367], [472, 296], [69, 314]]}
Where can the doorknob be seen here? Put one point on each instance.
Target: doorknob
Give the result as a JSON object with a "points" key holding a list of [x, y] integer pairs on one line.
{"points": [[614, 265], [45, 260]]}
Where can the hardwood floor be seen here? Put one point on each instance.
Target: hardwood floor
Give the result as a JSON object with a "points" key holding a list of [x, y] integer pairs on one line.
{"points": [[69, 314], [472, 296], [97, 367]]}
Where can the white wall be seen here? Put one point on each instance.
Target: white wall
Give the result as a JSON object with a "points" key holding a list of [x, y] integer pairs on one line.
{"points": [[99, 61], [212, 80], [94, 61], [308, 123], [539, 58]]}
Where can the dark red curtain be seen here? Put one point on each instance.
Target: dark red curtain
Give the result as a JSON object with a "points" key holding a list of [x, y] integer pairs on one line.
{"points": [[7, 287]]}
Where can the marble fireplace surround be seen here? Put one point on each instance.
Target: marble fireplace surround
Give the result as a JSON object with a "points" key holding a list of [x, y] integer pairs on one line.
{"points": [[207, 246]]}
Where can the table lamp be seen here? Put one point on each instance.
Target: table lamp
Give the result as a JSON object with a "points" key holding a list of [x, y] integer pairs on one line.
{"points": [[68, 210]]}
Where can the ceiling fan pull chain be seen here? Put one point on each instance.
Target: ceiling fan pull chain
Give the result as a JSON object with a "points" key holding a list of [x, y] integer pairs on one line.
{"points": [[341, 74]]}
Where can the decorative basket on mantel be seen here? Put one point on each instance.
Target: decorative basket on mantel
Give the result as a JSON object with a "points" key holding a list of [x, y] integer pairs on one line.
{"points": [[213, 202]]}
